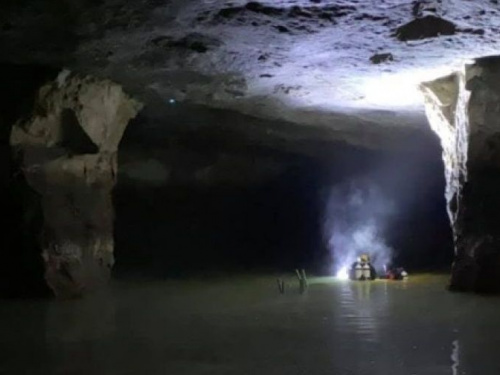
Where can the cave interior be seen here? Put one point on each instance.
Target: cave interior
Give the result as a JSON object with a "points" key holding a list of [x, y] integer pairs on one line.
{"points": [[166, 138], [165, 164]]}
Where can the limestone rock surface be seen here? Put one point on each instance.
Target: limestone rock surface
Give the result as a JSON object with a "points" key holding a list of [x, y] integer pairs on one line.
{"points": [[68, 151], [464, 110], [296, 61]]}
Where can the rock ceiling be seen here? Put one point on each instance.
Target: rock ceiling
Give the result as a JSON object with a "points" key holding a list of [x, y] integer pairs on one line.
{"points": [[344, 65]]}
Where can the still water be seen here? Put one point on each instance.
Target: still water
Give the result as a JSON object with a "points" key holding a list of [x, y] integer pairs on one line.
{"points": [[243, 326]]}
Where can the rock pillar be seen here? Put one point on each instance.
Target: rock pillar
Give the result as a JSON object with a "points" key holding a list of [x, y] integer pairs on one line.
{"points": [[68, 153], [464, 110]]}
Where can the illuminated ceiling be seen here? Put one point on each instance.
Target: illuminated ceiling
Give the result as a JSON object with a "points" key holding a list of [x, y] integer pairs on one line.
{"points": [[307, 62]]}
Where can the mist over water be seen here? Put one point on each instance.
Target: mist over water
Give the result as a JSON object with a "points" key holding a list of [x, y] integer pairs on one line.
{"points": [[356, 217]]}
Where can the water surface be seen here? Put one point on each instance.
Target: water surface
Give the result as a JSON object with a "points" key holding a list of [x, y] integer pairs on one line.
{"points": [[241, 325]]}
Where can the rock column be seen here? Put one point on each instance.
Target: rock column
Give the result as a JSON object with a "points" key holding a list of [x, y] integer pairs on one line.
{"points": [[464, 110], [68, 152]]}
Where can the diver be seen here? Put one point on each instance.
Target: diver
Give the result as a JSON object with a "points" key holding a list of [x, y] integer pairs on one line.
{"points": [[362, 269], [396, 273]]}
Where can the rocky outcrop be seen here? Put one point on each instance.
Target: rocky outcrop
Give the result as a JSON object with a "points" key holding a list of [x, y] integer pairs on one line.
{"points": [[464, 110], [68, 152], [380, 58], [429, 26]]}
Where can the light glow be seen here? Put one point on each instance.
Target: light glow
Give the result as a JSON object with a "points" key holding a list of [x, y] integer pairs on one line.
{"points": [[343, 274], [398, 90]]}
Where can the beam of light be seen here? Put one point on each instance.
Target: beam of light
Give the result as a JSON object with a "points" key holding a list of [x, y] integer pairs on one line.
{"points": [[343, 274], [398, 90]]}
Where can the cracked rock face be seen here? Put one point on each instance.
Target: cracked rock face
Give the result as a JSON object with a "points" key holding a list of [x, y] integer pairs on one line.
{"points": [[464, 111], [68, 153], [298, 61]]}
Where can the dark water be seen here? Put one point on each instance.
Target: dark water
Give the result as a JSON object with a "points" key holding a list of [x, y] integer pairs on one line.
{"points": [[242, 326]]}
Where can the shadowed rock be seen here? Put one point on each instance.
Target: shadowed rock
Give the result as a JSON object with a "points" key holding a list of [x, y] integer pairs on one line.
{"points": [[379, 58], [73, 137], [463, 110], [68, 154], [426, 27], [259, 12], [194, 41]]}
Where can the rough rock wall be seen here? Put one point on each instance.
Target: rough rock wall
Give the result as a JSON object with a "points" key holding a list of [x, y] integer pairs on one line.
{"points": [[464, 110], [68, 152]]}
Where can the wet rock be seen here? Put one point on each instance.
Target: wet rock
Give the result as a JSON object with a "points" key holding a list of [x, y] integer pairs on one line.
{"points": [[68, 151], [463, 110], [379, 58], [426, 27]]}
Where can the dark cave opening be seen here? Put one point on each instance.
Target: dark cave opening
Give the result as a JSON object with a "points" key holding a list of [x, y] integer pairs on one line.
{"points": [[176, 228], [21, 268], [174, 231]]}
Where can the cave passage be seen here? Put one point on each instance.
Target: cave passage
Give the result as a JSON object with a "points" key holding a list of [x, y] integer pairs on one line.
{"points": [[181, 181], [169, 224], [206, 199]]}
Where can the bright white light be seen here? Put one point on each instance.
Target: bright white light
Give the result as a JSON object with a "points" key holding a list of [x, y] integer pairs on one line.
{"points": [[398, 90], [343, 274]]}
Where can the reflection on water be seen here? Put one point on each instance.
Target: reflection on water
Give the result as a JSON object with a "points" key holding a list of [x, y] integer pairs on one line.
{"points": [[455, 359], [358, 310], [70, 321], [243, 326]]}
